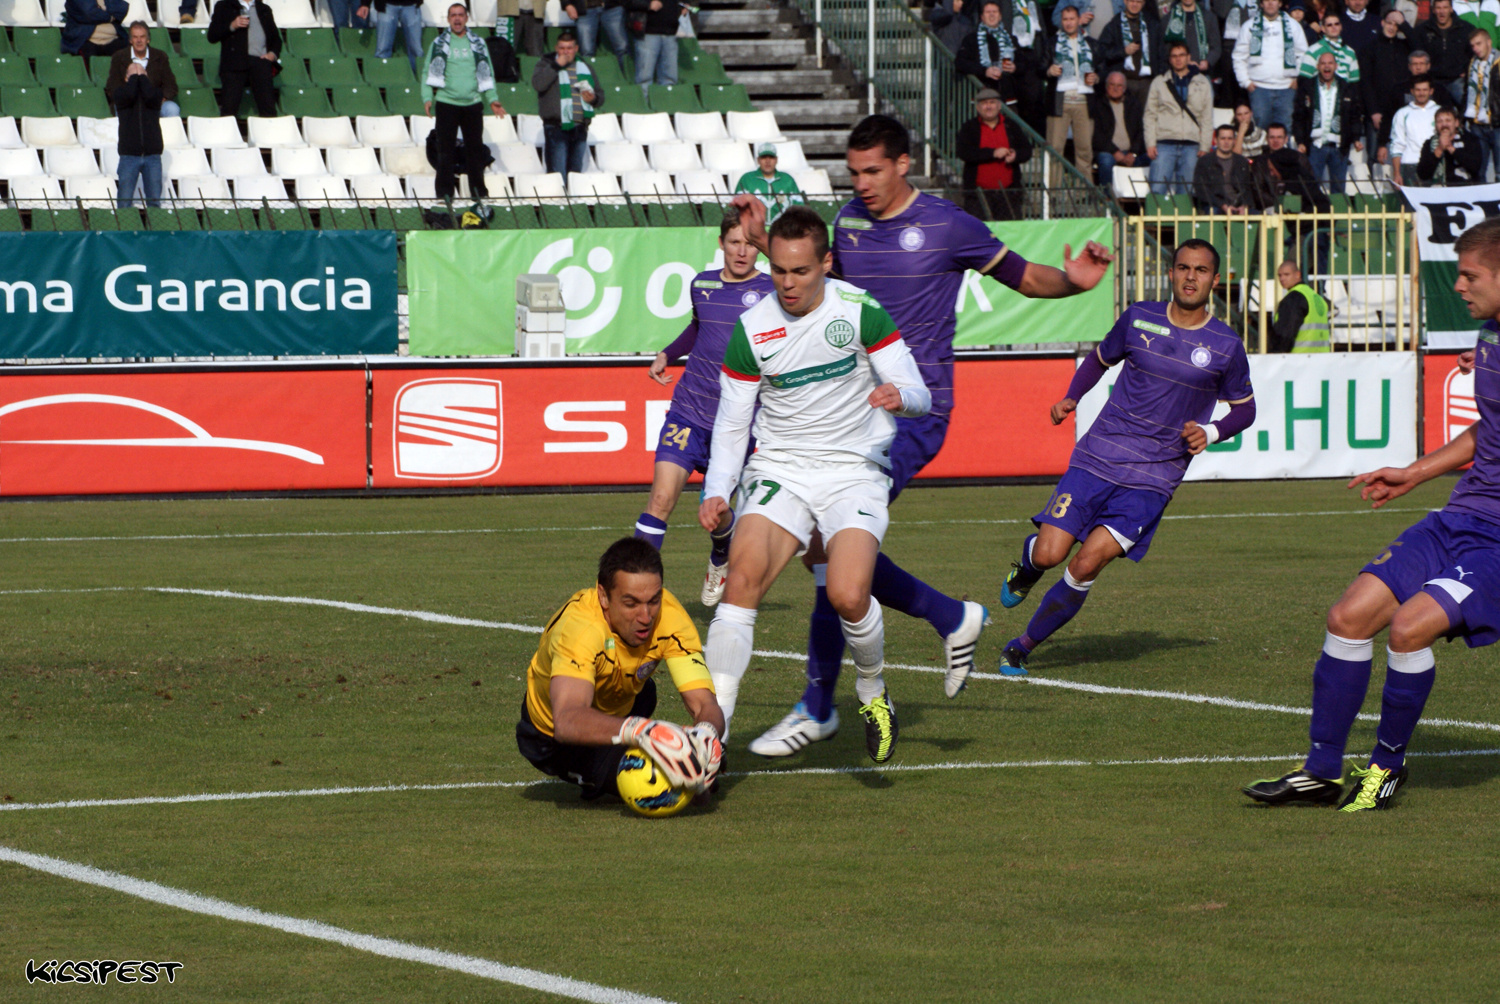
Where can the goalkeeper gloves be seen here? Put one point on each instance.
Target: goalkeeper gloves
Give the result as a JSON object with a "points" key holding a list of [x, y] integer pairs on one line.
{"points": [[669, 748], [710, 752]]}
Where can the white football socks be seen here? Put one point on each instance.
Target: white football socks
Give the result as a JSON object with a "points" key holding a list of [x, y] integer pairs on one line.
{"points": [[731, 636], [866, 638]]}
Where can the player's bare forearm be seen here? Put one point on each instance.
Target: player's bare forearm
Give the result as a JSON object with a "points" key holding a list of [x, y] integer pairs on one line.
{"points": [[1078, 275], [711, 512], [1390, 483], [1043, 282], [704, 707], [575, 721]]}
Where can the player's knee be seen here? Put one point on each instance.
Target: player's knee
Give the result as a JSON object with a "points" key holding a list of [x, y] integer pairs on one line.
{"points": [[1086, 567], [740, 589], [661, 503], [1049, 555], [851, 602], [1347, 621], [1410, 633]]}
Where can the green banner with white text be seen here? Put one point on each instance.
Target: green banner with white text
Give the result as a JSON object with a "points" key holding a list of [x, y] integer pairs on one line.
{"points": [[629, 290], [1442, 214]]}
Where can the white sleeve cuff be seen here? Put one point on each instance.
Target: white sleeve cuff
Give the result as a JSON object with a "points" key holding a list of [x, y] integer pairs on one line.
{"points": [[1213, 433]]}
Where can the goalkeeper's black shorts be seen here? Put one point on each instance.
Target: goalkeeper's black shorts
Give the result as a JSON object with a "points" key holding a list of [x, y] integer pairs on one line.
{"points": [[592, 768]]}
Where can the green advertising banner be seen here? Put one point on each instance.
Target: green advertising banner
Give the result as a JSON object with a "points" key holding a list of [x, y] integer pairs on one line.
{"points": [[131, 295], [1441, 215], [629, 290]]}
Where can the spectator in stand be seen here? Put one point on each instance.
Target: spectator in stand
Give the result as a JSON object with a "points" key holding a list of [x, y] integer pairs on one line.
{"points": [[585, 15], [1232, 15], [1289, 172], [1346, 60], [1249, 138], [1445, 39], [1178, 122], [992, 151], [1411, 127], [1384, 74], [952, 22], [531, 34], [249, 52], [152, 61], [1187, 22], [137, 87], [456, 77], [348, 14], [656, 50], [1131, 46], [1301, 321], [1298, 12], [1119, 133], [1361, 27], [1452, 156], [1222, 182], [94, 27], [1482, 100], [616, 32], [1071, 80], [988, 53], [1330, 122], [1266, 57], [1024, 20], [775, 189], [393, 14], [567, 98]]}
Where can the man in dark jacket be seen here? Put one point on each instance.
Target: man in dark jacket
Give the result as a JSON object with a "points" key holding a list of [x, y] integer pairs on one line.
{"points": [[93, 27], [1222, 183], [249, 51], [1131, 45], [1187, 21], [567, 96], [1329, 121], [1119, 129], [1016, 34], [1361, 25], [1452, 157], [1286, 172], [951, 21], [153, 61], [137, 99], [993, 150], [1446, 39], [656, 50], [1383, 78]]}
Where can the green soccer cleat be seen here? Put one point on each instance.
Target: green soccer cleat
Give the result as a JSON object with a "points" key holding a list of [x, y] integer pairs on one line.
{"points": [[1374, 787], [1297, 788], [881, 729], [1011, 592]]}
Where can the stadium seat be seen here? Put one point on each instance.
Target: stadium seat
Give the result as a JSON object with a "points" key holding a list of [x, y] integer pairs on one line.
{"points": [[109, 160], [652, 127], [297, 162], [293, 72], [725, 98], [405, 101], [30, 190], [230, 217], [518, 158], [790, 158], [1131, 182], [88, 101], [813, 182], [183, 218], [21, 102], [500, 130], [729, 157], [404, 217], [593, 186], [308, 42], [241, 162], [352, 163], [220, 132], [647, 183], [332, 132], [286, 217], [64, 71], [383, 131], [10, 218], [421, 125], [295, 14], [619, 158], [50, 131], [194, 42], [404, 161], [701, 68], [346, 218], [359, 42], [302, 102], [271, 133], [393, 72], [257, 187], [326, 70], [700, 127], [539, 186], [673, 156], [70, 162], [375, 187], [528, 130], [675, 212], [174, 134], [358, 100], [97, 134], [625, 98], [191, 162], [673, 98], [754, 127], [434, 14], [184, 70], [605, 128], [15, 71], [321, 188], [421, 186], [518, 99], [22, 163], [34, 39], [10, 136], [498, 185], [95, 188], [170, 18], [198, 102], [201, 188], [702, 183], [612, 214], [559, 214], [482, 13]]}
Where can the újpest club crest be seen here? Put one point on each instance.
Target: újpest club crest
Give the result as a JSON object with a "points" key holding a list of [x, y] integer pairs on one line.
{"points": [[912, 239]]}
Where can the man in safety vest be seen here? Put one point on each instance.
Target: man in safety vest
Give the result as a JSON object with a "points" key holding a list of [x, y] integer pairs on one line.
{"points": [[1301, 323]]}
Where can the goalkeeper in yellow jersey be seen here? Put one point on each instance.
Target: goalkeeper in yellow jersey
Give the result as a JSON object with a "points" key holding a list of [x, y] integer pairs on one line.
{"points": [[590, 693]]}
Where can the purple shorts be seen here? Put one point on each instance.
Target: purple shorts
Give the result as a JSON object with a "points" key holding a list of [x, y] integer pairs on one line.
{"points": [[683, 443], [1454, 557], [917, 441], [1083, 501]]}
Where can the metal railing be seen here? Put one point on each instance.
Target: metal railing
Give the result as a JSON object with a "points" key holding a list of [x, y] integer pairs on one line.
{"points": [[1362, 262]]}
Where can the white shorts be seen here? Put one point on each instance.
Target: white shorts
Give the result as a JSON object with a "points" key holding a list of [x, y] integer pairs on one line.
{"points": [[800, 496]]}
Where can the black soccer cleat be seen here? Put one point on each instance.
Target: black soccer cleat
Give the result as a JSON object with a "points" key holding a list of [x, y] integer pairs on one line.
{"points": [[881, 729], [1374, 787], [1297, 788]]}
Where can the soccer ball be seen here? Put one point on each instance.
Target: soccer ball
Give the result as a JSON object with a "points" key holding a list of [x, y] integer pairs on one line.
{"points": [[644, 788]]}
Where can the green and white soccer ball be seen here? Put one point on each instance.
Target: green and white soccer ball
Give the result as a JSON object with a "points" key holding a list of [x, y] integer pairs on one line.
{"points": [[644, 787]]}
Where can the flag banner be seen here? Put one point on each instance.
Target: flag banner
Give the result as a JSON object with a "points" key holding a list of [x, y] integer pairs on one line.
{"points": [[1442, 214]]}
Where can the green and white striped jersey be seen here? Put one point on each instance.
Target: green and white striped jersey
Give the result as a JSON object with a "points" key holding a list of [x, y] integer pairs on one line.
{"points": [[813, 376]]}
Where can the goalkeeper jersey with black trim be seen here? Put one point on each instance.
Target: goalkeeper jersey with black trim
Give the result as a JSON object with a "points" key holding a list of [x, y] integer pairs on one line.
{"points": [[579, 642], [813, 376]]}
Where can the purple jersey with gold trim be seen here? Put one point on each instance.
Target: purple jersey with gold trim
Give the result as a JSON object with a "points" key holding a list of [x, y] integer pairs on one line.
{"points": [[1171, 375], [1478, 491], [717, 305], [914, 264]]}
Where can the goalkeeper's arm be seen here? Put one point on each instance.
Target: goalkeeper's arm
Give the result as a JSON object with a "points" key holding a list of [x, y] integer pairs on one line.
{"points": [[575, 720], [704, 708]]}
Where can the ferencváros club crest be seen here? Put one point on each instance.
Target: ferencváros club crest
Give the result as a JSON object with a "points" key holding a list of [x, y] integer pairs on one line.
{"points": [[839, 333]]}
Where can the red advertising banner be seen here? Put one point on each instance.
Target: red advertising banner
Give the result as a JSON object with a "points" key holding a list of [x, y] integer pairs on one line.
{"points": [[106, 433], [1448, 406], [599, 425]]}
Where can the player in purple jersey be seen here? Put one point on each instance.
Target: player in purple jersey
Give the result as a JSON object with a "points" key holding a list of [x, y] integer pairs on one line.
{"points": [[719, 297], [910, 250], [1179, 362], [1439, 579]]}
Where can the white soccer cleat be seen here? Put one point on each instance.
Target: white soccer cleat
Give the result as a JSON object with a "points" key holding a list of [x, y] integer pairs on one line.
{"points": [[958, 647], [794, 732], [713, 583]]}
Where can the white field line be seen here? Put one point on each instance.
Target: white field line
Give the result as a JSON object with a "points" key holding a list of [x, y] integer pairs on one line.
{"points": [[381, 789], [153, 892], [621, 528], [1041, 681]]}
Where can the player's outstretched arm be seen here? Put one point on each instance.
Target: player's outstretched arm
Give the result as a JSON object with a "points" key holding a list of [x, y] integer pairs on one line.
{"points": [[575, 721], [753, 219], [1063, 409], [1078, 275], [658, 370], [1390, 483]]}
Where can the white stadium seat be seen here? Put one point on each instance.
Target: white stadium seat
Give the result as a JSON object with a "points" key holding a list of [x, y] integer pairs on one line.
{"points": [[96, 189], [594, 186], [499, 130], [700, 127], [96, 134], [421, 125], [527, 129], [171, 19], [40, 132], [320, 188], [423, 186], [327, 133], [201, 188], [238, 163], [24, 163], [813, 182], [39, 188], [273, 133], [70, 162], [174, 136], [377, 187], [730, 157], [109, 161], [403, 161], [674, 156], [697, 183], [257, 187], [539, 186], [346, 163], [139, 12], [498, 185], [218, 133], [10, 136], [618, 158], [292, 13], [653, 127], [184, 163], [647, 183], [790, 158], [605, 128], [23, 14], [518, 158], [382, 130], [297, 163], [1131, 182], [434, 14], [754, 127]]}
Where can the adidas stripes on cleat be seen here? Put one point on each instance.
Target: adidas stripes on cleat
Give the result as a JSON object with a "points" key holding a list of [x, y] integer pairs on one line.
{"points": [[1012, 592], [1297, 787], [1374, 787], [794, 732], [958, 648], [881, 729], [1013, 659]]}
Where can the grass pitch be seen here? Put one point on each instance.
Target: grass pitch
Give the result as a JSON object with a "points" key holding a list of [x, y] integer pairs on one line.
{"points": [[1033, 866]]}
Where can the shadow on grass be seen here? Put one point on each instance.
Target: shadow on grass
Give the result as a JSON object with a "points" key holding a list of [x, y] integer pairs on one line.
{"points": [[566, 798], [1122, 647]]}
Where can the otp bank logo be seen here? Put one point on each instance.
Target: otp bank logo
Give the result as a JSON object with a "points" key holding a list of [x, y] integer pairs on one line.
{"points": [[448, 430], [1459, 408]]}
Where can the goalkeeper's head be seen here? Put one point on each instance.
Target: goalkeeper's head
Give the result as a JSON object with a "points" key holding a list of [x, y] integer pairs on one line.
{"points": [[630, 588]]}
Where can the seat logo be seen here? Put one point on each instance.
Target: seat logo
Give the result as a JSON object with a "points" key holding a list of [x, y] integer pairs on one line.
{"points": [[447, 430]]}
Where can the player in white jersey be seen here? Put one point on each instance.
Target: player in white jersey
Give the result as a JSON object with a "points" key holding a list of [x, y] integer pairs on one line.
{"points": [[830, 371]]}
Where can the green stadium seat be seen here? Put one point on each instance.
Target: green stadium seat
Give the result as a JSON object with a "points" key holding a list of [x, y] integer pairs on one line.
{"points": [[159, 218], [311, 41], [673, 98], [1339, 202], [129, 218], [703, 68], [67, 220], [623, 98], [195, 43], [34, 101], [827, 209], [528, 66], [185, 72], [287, 218], [237, 218], [610, 215], [503, 218], [347, 218], [304, 101], [1291, 203], [360, 100], [393, 72], [293, 73], [677, 214], [10, 219], [552, 36], [428, 34], [558, 215], [37, 42], [403, 218], [75, 102], [725, 98], [404, 100], [607, 69], [65, 71], [359, 42], [187, 218], [688, 47], [334, 71], [519, 99], [198, 101], [5, 43], [525, 217], [15, 71], [162, 39], [103, 219]]}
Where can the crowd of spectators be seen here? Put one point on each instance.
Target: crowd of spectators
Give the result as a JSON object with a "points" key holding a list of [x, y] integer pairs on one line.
{"points": [[1310, 89]]}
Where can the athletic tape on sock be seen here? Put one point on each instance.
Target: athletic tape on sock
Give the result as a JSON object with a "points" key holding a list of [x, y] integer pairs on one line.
{"points": [[1348, 649], [1073, 583], [1419, 661]]}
